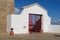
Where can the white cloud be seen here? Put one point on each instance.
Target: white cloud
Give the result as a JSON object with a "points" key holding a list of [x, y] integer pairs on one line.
{"points": [[57, 21], [16, 10]]}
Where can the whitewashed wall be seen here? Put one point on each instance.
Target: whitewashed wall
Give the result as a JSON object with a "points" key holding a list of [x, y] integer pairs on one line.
{"points": [[19, 21], [54, 29], [46, 22], [8, 23]]}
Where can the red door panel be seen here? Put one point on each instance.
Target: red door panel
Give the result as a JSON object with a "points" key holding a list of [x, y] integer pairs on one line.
{"points": [[35, 24]]}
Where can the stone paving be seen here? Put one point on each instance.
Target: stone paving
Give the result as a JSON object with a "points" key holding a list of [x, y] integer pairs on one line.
{"points": [[36, 36]]}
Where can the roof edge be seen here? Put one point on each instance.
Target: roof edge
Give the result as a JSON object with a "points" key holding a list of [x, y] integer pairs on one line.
{"points": [[33, 5]]}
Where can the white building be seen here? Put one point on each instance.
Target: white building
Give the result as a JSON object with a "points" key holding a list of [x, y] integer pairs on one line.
{"points": [[29, 19]]}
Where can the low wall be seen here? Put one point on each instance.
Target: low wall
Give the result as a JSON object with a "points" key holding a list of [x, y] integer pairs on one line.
{"points": [[54, 29]]}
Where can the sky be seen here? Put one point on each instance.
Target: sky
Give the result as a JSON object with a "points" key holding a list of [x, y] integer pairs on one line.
{"points": [[53, 7]]}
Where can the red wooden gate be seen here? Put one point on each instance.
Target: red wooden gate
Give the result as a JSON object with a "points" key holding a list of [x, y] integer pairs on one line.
{"points": [[37, 26]]}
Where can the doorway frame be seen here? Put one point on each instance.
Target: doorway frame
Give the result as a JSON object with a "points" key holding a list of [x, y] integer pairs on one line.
{"points": [[30, 31]]}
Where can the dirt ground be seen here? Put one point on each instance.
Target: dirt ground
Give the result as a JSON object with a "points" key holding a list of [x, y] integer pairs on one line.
{"points": [[34, 36]]}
